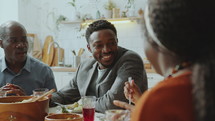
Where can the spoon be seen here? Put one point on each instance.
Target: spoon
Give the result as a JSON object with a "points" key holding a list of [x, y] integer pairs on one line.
{"points": [[64, 110], [130, 81]]}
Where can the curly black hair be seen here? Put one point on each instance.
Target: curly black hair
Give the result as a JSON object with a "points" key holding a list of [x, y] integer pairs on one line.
{"points": [[187, 28], [182, 22], [99, 25]]}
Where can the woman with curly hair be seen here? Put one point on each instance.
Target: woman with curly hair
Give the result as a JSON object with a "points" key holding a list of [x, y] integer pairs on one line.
{"points": [[179, 43]]}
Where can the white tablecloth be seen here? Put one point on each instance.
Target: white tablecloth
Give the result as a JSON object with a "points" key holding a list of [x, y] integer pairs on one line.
{"points": [[98, 116]]}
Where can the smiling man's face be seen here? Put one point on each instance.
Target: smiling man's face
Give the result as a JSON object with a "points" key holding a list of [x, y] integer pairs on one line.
{"points": [[103, 46]]}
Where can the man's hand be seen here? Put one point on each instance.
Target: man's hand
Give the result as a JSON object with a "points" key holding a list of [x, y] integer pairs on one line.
{"points": [[123, 105], [13, 90]]}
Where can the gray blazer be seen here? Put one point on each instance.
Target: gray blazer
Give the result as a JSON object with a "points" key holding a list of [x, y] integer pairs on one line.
{"points": [[128, 64]]}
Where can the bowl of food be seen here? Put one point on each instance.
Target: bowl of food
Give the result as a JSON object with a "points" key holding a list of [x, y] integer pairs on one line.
{"points": [[16, 108], [64, 117], [75, 107]]}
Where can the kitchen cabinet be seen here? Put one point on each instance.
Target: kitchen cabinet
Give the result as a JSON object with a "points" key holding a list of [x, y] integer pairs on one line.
{"points": [[153, 79], [63, 78]]}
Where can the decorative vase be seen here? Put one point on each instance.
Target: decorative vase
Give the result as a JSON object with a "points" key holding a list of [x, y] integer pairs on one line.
{"points": [[115, 13], [98, 14], [108, 14], [131, 11]]}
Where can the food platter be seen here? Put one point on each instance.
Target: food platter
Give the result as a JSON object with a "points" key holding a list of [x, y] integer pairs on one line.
{"points": [[55, 110], [77, 109], [64, 117], [70, 108]]}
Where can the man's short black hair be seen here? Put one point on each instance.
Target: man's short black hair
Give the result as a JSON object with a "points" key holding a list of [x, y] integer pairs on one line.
{"points": [[99, 25]]}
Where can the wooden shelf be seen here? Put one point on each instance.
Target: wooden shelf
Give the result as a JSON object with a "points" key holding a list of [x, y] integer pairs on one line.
{"points": [[71, 22], [111, 20]]}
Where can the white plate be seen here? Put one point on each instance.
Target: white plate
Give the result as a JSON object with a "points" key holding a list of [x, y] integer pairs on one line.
{"points": [[79, 110], [75, 111]]}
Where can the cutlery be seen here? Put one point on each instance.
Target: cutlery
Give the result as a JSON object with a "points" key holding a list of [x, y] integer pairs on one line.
{"points": [[34, 99], [130, 81]]}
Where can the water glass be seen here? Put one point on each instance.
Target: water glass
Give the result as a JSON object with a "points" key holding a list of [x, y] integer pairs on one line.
{"points": [[76, 61], [39, 91], [3, 93], [88, 107], [117, 115]]}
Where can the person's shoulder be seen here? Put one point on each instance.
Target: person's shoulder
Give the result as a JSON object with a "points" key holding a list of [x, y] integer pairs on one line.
{"points": [[132, 53], [172, 87], [37, 63], [126, 54], [168, 93], [87, 63]]}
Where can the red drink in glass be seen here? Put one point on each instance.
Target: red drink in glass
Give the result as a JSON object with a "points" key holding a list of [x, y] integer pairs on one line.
{"points": [[88, 114]]}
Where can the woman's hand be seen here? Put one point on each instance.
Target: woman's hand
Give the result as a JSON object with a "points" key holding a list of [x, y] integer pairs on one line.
{"points": [[13, 90], [131, 89], [123, 105]]}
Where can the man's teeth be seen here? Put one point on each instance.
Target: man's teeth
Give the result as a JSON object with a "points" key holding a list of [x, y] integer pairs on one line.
{"points": [[106, 57]]}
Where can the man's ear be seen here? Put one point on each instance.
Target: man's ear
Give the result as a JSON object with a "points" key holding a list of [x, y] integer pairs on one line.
{"points": [[88, 47]]}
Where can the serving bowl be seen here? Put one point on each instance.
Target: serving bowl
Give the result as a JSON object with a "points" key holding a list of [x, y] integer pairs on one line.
{"points": [[64, 117], [13, 109]]}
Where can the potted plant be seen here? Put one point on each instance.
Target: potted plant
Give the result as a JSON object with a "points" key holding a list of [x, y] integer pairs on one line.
{"points": [[130, 8], [109, 7], [130, 3], [59, 20], [73, 3]]}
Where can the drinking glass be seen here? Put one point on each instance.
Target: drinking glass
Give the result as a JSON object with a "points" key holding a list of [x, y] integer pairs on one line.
{"points": [[76, 61], [88, 107], [117, 115], [3, 93], [39, 91]]}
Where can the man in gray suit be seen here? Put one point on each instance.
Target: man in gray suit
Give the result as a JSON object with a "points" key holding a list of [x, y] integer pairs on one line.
{"points": [[104, 75]]}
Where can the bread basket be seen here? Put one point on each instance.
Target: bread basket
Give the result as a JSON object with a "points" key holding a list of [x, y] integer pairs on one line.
{"points": [[13, 109]]}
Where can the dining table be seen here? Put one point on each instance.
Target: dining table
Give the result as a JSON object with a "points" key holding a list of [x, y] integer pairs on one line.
{"points": [[98, 116]]}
